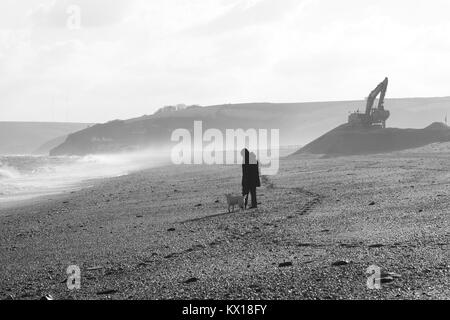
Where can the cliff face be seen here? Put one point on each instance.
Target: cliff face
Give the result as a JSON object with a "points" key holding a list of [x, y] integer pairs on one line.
{"points": [[113, 136], [345, 140]]}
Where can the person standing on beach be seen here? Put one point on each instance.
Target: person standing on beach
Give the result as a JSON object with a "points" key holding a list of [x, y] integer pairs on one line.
{"points": [[250, 177]]}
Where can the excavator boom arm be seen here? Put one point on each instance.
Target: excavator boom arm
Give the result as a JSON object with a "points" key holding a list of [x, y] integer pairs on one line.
{"points": [[381, 88]]}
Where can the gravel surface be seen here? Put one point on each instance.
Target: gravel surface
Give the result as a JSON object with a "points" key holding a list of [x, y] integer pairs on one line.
{"points": [[165, 233]]}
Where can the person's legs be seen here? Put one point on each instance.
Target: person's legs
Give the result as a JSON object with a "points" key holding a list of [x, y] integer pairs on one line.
{"points": [[253, 194], [245, 194]]}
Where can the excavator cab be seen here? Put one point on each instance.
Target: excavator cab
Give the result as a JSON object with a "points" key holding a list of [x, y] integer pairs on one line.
{"points": [[358, 119], [379, 117]]}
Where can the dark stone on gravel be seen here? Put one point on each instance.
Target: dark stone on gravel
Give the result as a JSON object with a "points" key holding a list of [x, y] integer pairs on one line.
{"points": [[348, 245], [143, 264], [191, 280], [372, 203], [304, 245], [388, 277], [171, 229], [217, 201], [340, 263], [376, 245], [107, 291], [139, 216], [285, 264], [386, 280], [198, 205]]}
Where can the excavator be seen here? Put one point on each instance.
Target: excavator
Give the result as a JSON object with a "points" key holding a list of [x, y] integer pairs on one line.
{"points": [[373, 117]]}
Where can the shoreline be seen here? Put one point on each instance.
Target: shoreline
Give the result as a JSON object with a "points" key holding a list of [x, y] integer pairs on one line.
{"points": [[18, 201]]}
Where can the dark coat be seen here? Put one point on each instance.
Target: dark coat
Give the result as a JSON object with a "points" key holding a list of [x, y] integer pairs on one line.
{"points": [[250, 173]]}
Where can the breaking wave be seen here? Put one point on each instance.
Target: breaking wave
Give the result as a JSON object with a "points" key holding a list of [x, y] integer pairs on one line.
{"points": [[24, 177], [7, 172]]}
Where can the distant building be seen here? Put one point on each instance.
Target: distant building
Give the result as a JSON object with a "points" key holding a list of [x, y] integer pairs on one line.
{"points": [[175, 108]]}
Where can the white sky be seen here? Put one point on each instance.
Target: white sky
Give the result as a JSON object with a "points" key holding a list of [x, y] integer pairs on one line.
{"points": [[131, 57]]}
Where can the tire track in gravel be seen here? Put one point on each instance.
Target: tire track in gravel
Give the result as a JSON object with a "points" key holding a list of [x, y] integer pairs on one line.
{"points": [[316, 198]]}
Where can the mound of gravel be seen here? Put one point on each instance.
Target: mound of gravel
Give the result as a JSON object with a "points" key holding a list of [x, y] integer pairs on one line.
{"points": [[347, 140]]}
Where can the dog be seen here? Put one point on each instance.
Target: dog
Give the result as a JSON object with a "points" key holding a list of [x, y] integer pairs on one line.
{"points": [[233, 200]]}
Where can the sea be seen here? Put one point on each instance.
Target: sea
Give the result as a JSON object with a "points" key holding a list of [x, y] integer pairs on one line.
{"points": [[24, 176]]}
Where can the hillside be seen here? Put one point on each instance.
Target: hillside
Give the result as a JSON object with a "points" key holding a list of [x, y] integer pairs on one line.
{"points": [[345, 140], [299, 123], [27, 137], [293, 120]]}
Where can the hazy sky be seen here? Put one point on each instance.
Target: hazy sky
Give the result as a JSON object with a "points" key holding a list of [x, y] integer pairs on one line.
{"points": [[130, 57]]}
